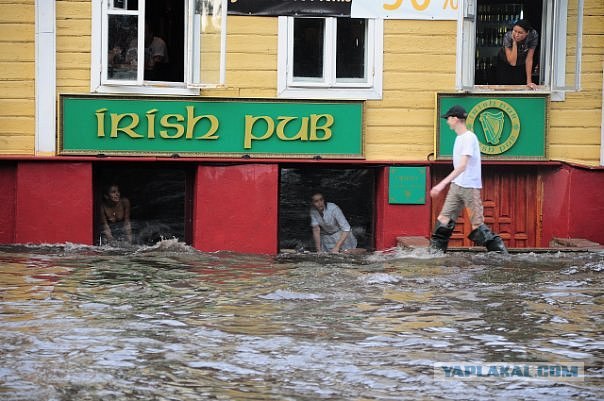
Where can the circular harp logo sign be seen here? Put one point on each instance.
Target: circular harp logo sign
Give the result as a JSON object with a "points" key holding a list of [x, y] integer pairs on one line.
{"points": [[496, 124]]}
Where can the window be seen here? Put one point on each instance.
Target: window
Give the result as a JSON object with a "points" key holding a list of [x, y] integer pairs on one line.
{"points": [[557, 57], [158, 46], [331, 58]]}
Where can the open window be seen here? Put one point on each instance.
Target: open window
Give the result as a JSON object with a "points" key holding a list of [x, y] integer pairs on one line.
{"points": [[158, 46], [160, 199], [557, 59], [330, 58], [352, 189]]}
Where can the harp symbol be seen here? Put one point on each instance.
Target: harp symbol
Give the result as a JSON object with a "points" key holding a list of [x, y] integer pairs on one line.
{"points": [[492, 125]]}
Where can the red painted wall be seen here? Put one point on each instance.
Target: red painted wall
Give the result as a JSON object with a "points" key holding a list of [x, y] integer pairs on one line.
{"points": [[54, 202], [555, 216], [586, 211], [8, 183], [573, 205], [235, 208], [398, 220]]}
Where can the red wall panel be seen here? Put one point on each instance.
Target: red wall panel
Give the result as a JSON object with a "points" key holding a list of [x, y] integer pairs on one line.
{"points": [[235, 208], [398, 220], [54, 202], [555, 215], [8, 174], [586, 211]]}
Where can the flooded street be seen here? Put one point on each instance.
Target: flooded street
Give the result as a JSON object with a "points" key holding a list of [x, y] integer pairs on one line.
{"points": [[171, 323]]}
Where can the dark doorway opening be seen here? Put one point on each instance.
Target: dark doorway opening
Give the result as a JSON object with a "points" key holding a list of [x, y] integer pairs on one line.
{"points": [[353, 190], [159, 197]]}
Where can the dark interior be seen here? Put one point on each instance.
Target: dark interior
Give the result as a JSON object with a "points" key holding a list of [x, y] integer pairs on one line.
{"points": [[351, 189], [158, 198]]}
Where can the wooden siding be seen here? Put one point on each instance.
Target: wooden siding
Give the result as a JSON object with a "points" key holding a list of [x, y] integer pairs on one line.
{"points": [[575, 124], [74, 25], [419, 61], [17, 77]]}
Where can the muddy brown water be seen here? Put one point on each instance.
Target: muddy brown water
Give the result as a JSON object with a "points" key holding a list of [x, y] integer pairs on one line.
{"points": [[170, 323]]}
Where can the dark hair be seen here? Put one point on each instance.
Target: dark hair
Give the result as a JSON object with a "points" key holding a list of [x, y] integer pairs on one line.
{"points": [[524, 24], [107, 187]]}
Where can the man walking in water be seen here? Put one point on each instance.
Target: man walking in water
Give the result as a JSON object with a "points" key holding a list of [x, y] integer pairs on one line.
{"points": [[466, 183]]}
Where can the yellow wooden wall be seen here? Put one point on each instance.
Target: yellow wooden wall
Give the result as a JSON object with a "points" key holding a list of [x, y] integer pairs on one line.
{"points": [[17, 73], [73, 45], [575, 124], [419, 60]]}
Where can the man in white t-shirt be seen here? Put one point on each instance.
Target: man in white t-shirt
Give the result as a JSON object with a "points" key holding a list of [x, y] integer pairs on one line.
{"points": [[466, 183]]}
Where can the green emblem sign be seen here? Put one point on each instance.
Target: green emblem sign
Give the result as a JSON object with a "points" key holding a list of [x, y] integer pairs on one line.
{"points": [[407, 185], [92, 125], [507, 126]]}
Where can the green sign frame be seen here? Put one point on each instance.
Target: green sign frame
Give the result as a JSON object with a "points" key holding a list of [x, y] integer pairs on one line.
{"points": [[407, 185], [146, 126], [508, 126]]}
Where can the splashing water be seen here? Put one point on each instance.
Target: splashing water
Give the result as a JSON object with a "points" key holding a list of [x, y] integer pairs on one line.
{"points": [[168, 322]]}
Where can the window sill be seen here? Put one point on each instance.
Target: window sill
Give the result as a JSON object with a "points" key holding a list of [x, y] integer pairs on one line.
{"points": [[330, 94], [146, 90], [510, 88], [555, 96]]}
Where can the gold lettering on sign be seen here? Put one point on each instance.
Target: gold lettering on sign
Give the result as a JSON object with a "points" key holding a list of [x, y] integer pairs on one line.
{"points": [[309, 128], [192, 120], [302, 132], [151, 123], [100, 122], [128, 129], [249, 126], [165, 122], [314, 126]]}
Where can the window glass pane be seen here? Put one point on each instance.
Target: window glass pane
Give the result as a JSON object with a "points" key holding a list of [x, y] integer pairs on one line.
{"points": [[308, 47], [125, 4], [164, 40], [122, 45], [350, 48]]}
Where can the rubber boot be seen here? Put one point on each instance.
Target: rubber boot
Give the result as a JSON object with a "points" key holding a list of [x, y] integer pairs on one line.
{"points": [[482, 235], [440, 237]]}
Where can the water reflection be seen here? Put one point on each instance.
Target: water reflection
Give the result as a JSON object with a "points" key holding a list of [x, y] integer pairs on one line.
{"points": [[167, 322]]}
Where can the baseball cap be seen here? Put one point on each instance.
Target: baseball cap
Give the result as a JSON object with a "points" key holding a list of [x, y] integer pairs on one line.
{"points": [[456, 111]]}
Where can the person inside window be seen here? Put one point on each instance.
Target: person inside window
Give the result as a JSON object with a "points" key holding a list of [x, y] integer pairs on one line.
{"points": [[516, 57], [115, 217], [330, 229], [156, 56]]}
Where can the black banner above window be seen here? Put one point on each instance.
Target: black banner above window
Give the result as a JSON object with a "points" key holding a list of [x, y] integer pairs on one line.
{"points": [[302, 8]]}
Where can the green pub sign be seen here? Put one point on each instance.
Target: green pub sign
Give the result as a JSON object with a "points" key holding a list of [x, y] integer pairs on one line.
{"points": [[190, 127], [507, 126], [407, 185]]}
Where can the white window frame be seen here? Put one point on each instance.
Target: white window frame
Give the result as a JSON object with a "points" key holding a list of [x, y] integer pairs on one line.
{"points": [[192, 83], [553, 50], [329, 87]]}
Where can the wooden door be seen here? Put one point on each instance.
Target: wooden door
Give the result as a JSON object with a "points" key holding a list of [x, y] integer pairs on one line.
{"points": [[511, 201]]}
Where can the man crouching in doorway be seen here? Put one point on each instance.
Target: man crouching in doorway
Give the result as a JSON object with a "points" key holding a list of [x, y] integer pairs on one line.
{"points": [[466, 183], [330, 229]]}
